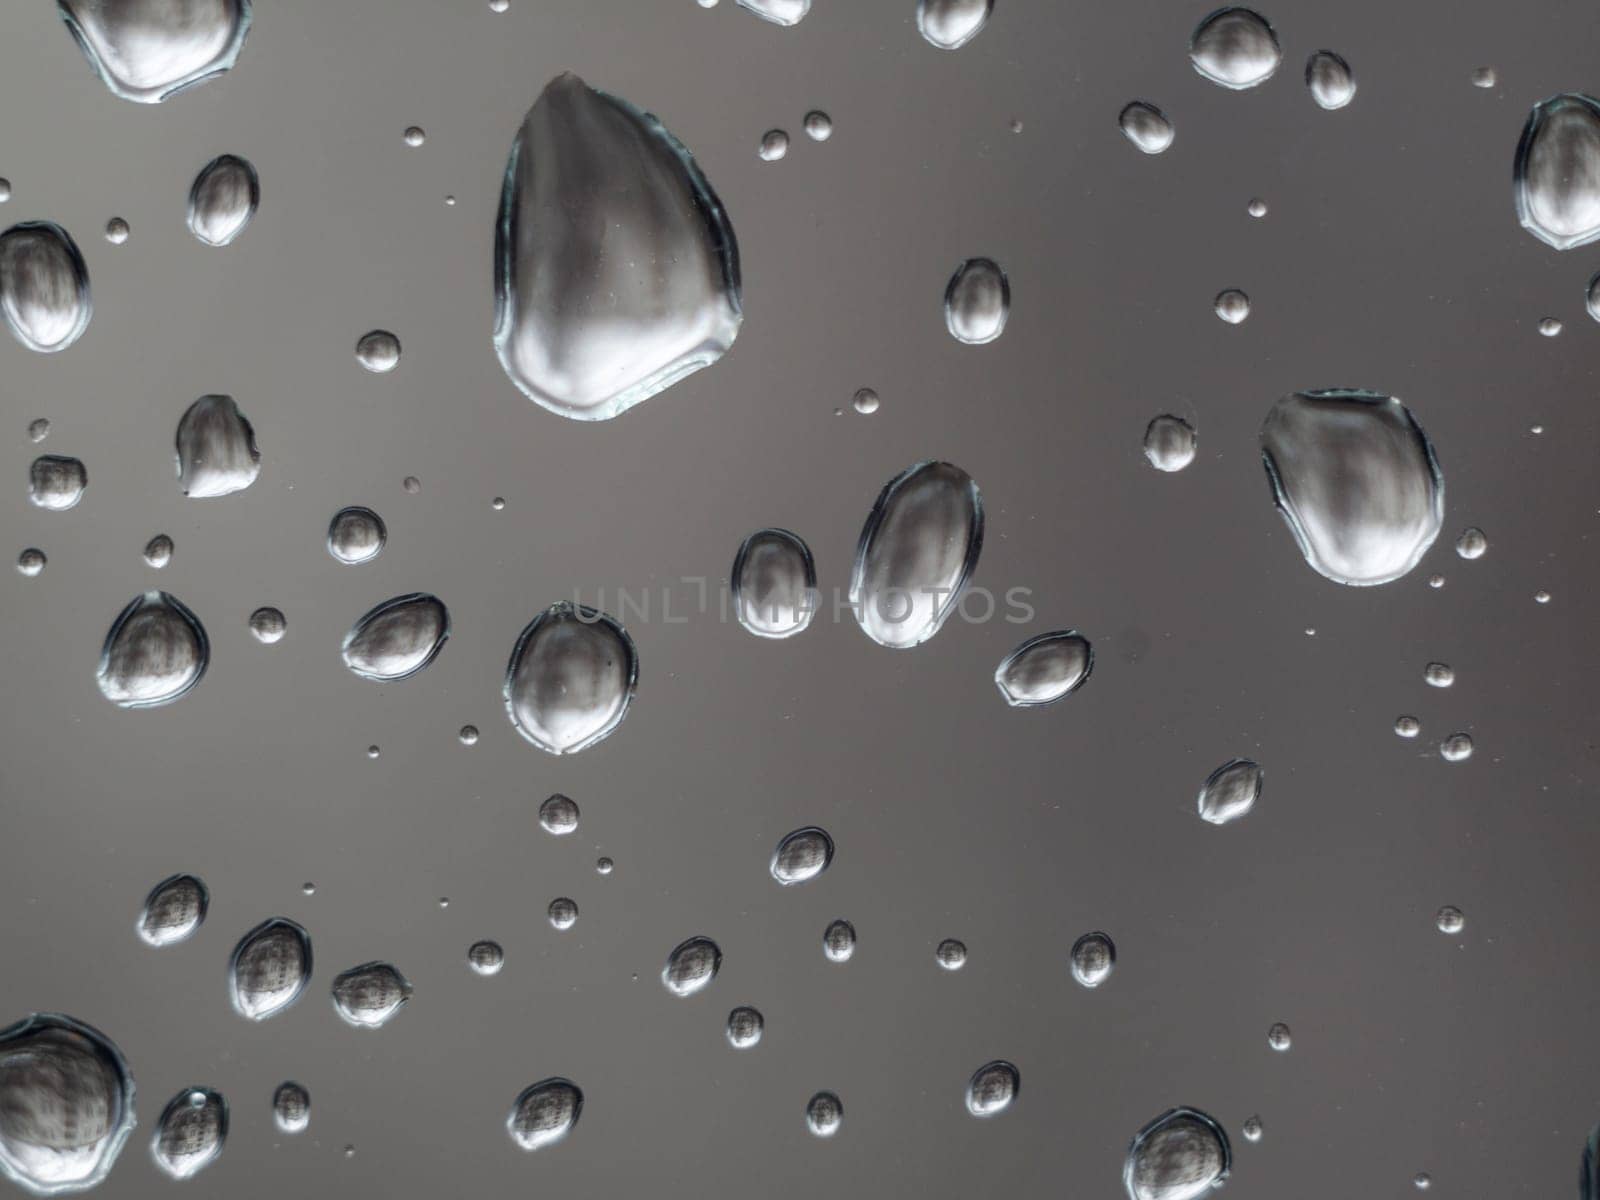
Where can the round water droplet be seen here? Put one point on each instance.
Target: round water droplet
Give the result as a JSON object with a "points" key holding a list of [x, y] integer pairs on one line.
{"points": [[1170, 443], [149, 52], [950, 954], [1278, 1037], [217, 453], [1549, 326], [1146, 126], [415, 135], [865, 401], [1232, 305], [468, 735], [824, 1114], [1407, 727], [268, 625], [801, 856], [1181, 1155], [1456, 748], [291, 1107], [223, 200], [38, 429], [563, 913], [604, 865], [44, 286], [56, 483], [1483, 77], [545, 1113], [398, 638], [368, 996], [378, 351], [1330, 80], [1422, 1181], [819, 125], [1230, 791], [356, 535], [774, 145], [1045, 669], [774, 584], [1556, 176], [559, 815], [190, 1132], [31, 561], [117, 231], [1436, 582], [571, 678], [155, 652], [1257, 208], [951, 24], [486, 958], [1450, 920], [745, 1027], [1236, 48], [691, 966], [269, 969], [158, 551], [992, 1088], [977, 302], [1472, 543], [373, 751], [498, 503], [839, 941], [1439, 675], [309, 889], [1541, 597], [173, 910], [1252, 1129], [1094, 957]]}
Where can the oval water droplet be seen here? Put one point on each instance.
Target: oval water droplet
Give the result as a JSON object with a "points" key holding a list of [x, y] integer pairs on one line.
{"points": [[378, 351], [38, 429], [1170, 443], [190, 1132], [1094, 957], [155, 652], [1330, 80], [1045, 669], [559, 815], [818, 125], [269, 969], [779, 12], [1556, 174], [1235, 47], [223, 199], [1407, 727], [1279, 1037], [1232, 306], [691, 966], [839, 941], [1231, 791], [1251, 1129], [571, 678], [745, 1027], [801, 856], [291, 1107], [158, 552], [1549, 327], [917, 551], [1181, 1155], [150, 50], [368, 996], [992, 1088], [217, 453], [774, 584], [951, 24], [1146, 126], [356, 535], [774, 145], [398, 638], [616, 269], [824, 1114], [545, 1113], [950, 954], [173, 910], [977, 302], [486, 957], [56, 483], [44, 286], [1355, 478]]}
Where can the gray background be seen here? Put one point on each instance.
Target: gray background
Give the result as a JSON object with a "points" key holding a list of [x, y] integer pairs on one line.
{"points": [[1391, 259]]}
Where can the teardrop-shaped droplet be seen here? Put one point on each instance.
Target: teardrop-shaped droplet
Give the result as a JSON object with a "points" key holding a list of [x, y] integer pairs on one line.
{"points": [[1169, 443], [217, 453], [691, 966], [150, 50], [802, 856], [1235, 47], [992, 1088], [155, 652], [824, 1114], [1146, 126], [378, 351], [977, 302], [56, 483], [779, 12], [1329, 77], [1355, 478], [570, 679], [1181, 1155], [398, 638], [545, 1113], [839, 941], [1230, 791], [951, 24], [356, 535], [173, 910], [158, 552], [223, 199], [774, 584], [616, 269], [917, 551], [1094, 957], [1556, 176], [291, 1107], [745, 1027], [369, 995], [44, 286], [269, 969], [190, 1132], [67, 1099], [1045, 669]]}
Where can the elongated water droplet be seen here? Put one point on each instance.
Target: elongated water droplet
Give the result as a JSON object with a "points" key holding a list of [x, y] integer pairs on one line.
{"points": [[397, 638], [356, 535], [1094, 957], [190, 1132], [570, 679], [545, 1113], [745, 1027], [1232, 306], [1230, 791], [44, 286], [291, 1107], [1549, 327], [56, 483], [378, 351], [269, 969], [977, 302], [1330, 80], [217, 453], [824, 1114], [1355, 478], [1236, 48], [992, 1088], [917, 551], [1556, 175], [173, 910], [839, 941], [150, 50], [155, 652], [1279, 1037], [38, 429], [223, 199], [801, 856], [1146, 126], [1170, 443], [67, 1096], [779, 12], [774, 584], [616, 269], [691, 966], [486, 957], [1045, 669], [951, 24], [368, 996], [950, 954], [158, 552], [1181, 1155]]}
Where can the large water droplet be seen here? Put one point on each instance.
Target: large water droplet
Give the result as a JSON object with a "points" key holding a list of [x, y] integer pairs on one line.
{"points": [[1329, 77], [291, 1107], [779, 12], [1556, 175], [570, 679], [774, 584], [992, 1088], [155, 652], [1230, 791], [1045, 669], [397, 638], [66, 1096], [44, 286], [745, 1027], [217, 453], [356, 535], [269, 969], [1170, 443], [977, 302], [190, 1132], [1236, 48], [150, 50], [1181, 1155], [824, 1114], [545, 1113], [1356, 480], [918, 549], [223, 199], [1094, 957], [56, 483], [369, 995], [801, 856], [691, 966], [839, 941], [173, 910], [616, 270], [951, 24], [1146, 126]]}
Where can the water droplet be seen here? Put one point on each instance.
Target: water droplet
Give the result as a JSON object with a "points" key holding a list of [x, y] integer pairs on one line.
{"points": [[217, 453], [1549, 327], [309, 889], [950, 954], [1257, 208], [1556, 176], [415, 135], [1439, 675], [498, 503], [1016, 125], [1483, 77], [155, 651], [570, 679], [977, 302], [1472, 543], [691, 966], [291, 1107], [1355, 478], [499, 6], [444, 901], [779, 12], [839, 941], [450, 201], [1232, 305], [378, 351], [1230, 791], [1146, 126], [1450, 919], [865, 401], [56, 483], [398, 638], [582, 328], [819, 125], [745, 1027], [373, 751], [563, 913], [1094, 957], [5, 190], [824, 1114], [604, 865], [356, 535], [1252, 1129], [370, 995], [559, 815], [223, 199], [486, 958], [31, 561], [801, 856], [117, 231], [38, 429], [67, 1096], [1407, 727], [545, 1113], [150, 52], [1045, 669], [269, 969], [992, 1088], [350, 1151], [1329, 77], [1181, 1155], [1278, 1037], [1541, 597], [44, 286], [951, 24], [774, 145], [1456, 748], [190, 1132], [1170, 443], [774, 584], [173, 910], [268, 625], [1436, 582], [1236, 48], [1422, 1181], [917, 550], [158, 552]]}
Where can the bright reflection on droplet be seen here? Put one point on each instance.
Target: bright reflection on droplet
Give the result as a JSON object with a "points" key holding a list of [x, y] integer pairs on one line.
{"points": [[1257, 208], [1146, 126], [31, 561], [1230, 791], [1236, 48], [1181, 1155], [1094, 957], [117, 231], [992, 1088], [691, 966], [1549, 327], [1251, 1129], [977, 302]]}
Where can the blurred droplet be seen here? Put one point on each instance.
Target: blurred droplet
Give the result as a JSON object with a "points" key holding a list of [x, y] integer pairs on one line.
{"points": [[1329, 77], [992, 1088], [691, 966], [977, 302], [486, 957], [173, 910], [745, 1027], [1456, 748], [1541, 597], [1170, 443], [117, 231], [1231, 791], [155, 652], [398, 638], [774, 145], [570, 679], [1181, 1155], [774, 584], [1549, 326], [223, 199], [839, 941], [468, 735], [56, 483], [1556, 176], [1232, 305], [801, 856], [563, 913], [1472, 543], [545, 1113], [190, 1133], [269, 969], [1257, 208], [356, 535], [158, 552], [819, 125], [1450, 920], [369, 996], [951, 24], [1146, 126], [149, 52], [44, 286], [38, 429], [1252, 1129], [1236, 48], [1094, 957], [1483, 77], [1278, 1037], [415, 135], [1439, 675], [1422, 1181], [1407, 727], [217, 453], [950, 954], [291, 1107], [824, 1114], [5, 190], [31, 562], [1045, 669], [378, 351]]}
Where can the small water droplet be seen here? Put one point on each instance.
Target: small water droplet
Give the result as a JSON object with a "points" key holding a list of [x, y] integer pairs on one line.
{"points": [[31, 561], [745, 1027], [486, 957], [38, 429], [1422, 1181], [158, 552], [774, 145], [1232, 305], [1436, 582], [117, 231], [839, 941], [1556, 175], [1450, 920], [450, 201], [774, 584], [1483, 77], [1170, 443], [56, 483], [1045, 669], [1407, 727], [1549, 326], [44, 286], [951, 24], [150, 52], [368, 996], [993, 1088], [950, 954], [5, 190], [499, 6], [563, 913], [559, 815], [545, 1113], [269, 969], [223, 199], [1146, 126], [977, 302], [1094, 957], [291, 1107], [173, 910], [801, 856], [824, 1114], [604, 866], [1456, 748], [398, 638], [1257, 208], [415, 135], [468, 735], [356, 535], [373, 751], [1278, 1037], [1541, 597], [571, 678], [1252, 1129], [498, 503], [310, 889], [1236, 48], [1181, 1155], [155, 652], [268, 625], [1472, 543], [350, 1151], [217, 453], [691, 966], [819, 125], [1231, 791], [190, 1132], [444, 901], [865, 401], [1439, 675], [1329, 77], [378, 351], [1016, 125]]}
